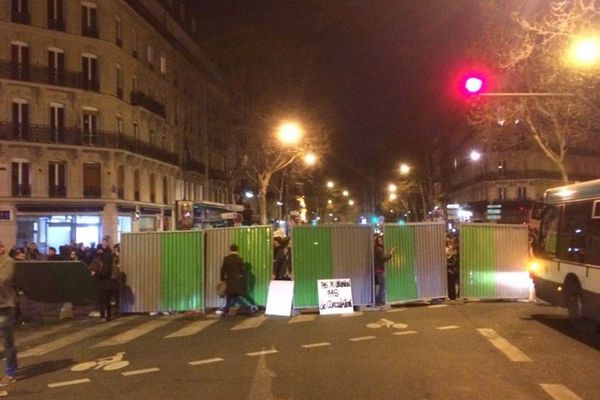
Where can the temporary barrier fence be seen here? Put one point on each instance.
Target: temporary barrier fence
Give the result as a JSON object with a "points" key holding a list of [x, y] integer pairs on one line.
{"points": [[493, 261], [418, 270]]}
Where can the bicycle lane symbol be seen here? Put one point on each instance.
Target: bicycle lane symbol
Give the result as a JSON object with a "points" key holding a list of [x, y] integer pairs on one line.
{"points": [[111, 363], [386, 323]]}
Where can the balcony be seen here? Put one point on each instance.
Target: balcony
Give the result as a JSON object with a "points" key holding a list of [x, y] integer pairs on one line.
{"points": [[78, 137], [20, 72], [57, 191], [196, 166], [89, 31], [56, 25], [39, 74], [21, 190], [140, 99], [92, 192], [90, 84], [20, 17]]}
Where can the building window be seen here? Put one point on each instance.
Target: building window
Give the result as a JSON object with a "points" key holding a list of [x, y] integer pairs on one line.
{"points": [[136, 185], [501, 193], [90, 126], [501, 167], [57, 122], [136, 45], [56, 179], [134, 83], [165, 190], [152, 188], [89, 68], [20, 12], [56, 66], [119, 126], [55, 15], [119, 76], [136, 133], [118, 32], [19, 60], [522, 192], [121, 182], [150, 56], [20, 178], [89, 19], [163, 64], [92, 180], [20, 119]]}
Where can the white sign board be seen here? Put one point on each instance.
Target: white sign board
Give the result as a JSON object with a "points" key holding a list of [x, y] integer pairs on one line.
{"points": [[335, 296], [279, 298]]}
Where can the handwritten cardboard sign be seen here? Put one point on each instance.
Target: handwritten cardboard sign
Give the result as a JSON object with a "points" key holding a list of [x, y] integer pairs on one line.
{"points": [[335, 296]]}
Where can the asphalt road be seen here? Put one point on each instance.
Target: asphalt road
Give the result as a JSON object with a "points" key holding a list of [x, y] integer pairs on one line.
{"points": [[456, 351]]}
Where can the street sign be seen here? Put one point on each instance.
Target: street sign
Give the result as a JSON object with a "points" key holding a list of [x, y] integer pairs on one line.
{"points": [[335, 296]]}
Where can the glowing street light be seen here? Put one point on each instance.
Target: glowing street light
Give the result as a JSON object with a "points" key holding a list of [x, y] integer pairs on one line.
{"points": [[404, 169], [392, 188], [584, 52], [345, 193], [393, 196], [289, 133], [350, 202], [310, 159], [330, 184], [475, 155], [329, 201]]}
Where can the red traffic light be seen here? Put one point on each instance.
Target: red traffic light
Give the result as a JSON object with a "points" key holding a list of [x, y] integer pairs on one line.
{"points": [[474, 84]]}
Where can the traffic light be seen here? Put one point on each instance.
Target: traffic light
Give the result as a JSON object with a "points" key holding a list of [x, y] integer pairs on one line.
{"points": [[473, 83]]}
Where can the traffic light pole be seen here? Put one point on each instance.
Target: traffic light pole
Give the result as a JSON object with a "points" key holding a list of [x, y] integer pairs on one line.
{"points": [[542, 94]]}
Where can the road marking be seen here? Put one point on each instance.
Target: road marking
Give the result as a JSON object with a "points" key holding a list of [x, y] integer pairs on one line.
{"points": [[136, 332], [313, 345], [438, 306], [350, 315], [38, 335], [262, 353], [405, 333], [362, 338], [207, 361], [140, 371], [396, 310], [445, 328], [250, 323], [75, 337], [504, 345], [559, 392], [68, 383], [192, 329], [302, 318]]}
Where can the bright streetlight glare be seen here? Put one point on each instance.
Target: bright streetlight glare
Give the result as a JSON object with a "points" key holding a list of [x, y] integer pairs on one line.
{"points": [[473, 84], [392, 188], [345, 193], [475, 155], [289, 133], [329, 201], [330, 184], [393, 196], [249, 194], [350, 202], [310, 159], [585, 51], [404, 169]]}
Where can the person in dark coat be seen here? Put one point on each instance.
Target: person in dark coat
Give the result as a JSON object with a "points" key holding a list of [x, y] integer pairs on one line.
{"points": [[232, 273], [8, 301], [380, 258], [282, 267], [101, 270]]}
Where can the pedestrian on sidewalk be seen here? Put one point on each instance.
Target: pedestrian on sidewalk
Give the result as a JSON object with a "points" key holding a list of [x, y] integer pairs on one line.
{"points": [[8, 301], [380, 258], [233, 274]]}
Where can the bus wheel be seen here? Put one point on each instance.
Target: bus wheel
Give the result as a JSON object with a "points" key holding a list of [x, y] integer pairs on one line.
{"points": [[575, 303]]}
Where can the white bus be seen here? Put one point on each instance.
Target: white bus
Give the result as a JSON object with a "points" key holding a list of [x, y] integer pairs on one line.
{"points": [[567, 249]]}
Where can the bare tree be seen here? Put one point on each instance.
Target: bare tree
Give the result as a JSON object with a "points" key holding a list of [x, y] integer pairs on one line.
{"points": [[557, 104]]}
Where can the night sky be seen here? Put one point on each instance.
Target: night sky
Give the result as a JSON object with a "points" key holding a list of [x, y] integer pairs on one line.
{"points": [[379, 70]]}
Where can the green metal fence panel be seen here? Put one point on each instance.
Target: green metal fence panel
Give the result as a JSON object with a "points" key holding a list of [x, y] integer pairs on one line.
{"points": [[312, 260], [140, 260], [256, 248], [401, 269], [493, 261], [182, 267]]}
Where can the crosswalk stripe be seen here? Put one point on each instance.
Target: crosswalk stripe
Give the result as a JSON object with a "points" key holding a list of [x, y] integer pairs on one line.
{"points": [[504, 345], [250, 323], [69, 383], [138, 331], [38, 335], [192, 329], [559, 392], [362, 338], [73, 338], [302, 318]]}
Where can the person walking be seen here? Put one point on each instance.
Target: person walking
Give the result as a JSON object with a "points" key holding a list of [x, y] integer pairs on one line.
{"points": [[380, 258], [282, 267], [8, 300], [232, 273]]}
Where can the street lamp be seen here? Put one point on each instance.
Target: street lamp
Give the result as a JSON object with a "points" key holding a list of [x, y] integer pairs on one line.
{"points": [[310, 159], [345, 193], [404, 169], [330, 184], [393, 197], [289, 133], [584, 52], [350, 202], [392, 188], [474, 155]]}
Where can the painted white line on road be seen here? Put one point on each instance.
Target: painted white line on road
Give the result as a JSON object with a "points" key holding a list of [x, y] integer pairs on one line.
{"points": [[559, 392], [75, 337], [207, 361], [396, 310], [313, 345], [438, 306], [504, 345], [3, 393], [350, 315], [68, 383], [302, 318], [192, 329], [445, 328], [250, 323], [38, 335], [140, 371], [362, 338], [405, 333], [262, 353], [136, 332]]}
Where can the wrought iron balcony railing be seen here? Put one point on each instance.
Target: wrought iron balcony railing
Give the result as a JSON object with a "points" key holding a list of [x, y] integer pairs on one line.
{"points": [[140, 99], [21, 190], [57, 191]]}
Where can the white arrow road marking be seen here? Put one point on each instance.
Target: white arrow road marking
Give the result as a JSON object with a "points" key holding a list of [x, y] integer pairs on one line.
{"points": [[207, 361], [192, 329], [504, 345], [559, 392], [68, 383]]}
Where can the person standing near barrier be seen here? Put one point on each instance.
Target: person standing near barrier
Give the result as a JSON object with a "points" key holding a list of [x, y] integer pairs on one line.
{"points": [[233, 274], [102, 271], [8, 300], [282, 267], [380, 258]]}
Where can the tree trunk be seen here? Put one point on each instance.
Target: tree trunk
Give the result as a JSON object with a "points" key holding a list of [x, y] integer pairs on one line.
{"points": [[263, 186]]}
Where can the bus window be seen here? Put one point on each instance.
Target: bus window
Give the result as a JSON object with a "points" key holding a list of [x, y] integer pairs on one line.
{"points": [[549, 231], [574, 231], [593, 255]]}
